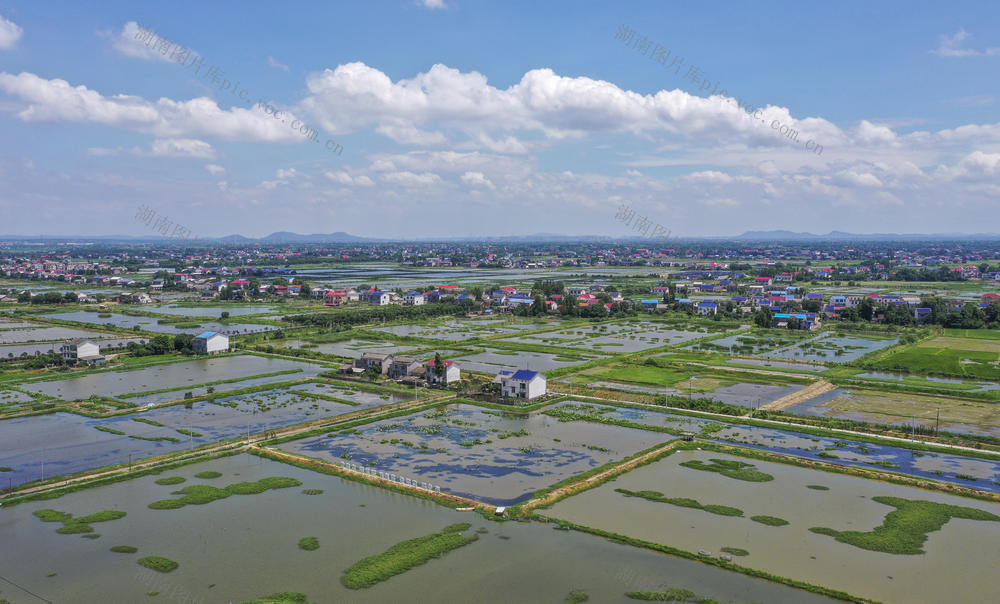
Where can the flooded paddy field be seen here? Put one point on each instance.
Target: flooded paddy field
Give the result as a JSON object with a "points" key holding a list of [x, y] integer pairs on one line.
{"points": [[180, 374], [906, 409], [458, 330], [212, 311], [101, 339], [978, 474], [244, 546], [65, 443], [152, 324], [930, 380], [42, 333], [808, 367], [466, 450], [832, 348], [493, 360], [351, 348], [616, 337], [963, 553]]}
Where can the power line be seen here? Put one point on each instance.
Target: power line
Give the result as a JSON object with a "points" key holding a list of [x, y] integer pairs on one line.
{"points": [[25, 589]]}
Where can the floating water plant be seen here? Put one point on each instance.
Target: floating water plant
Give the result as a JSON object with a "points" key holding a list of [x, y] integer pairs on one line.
{"points": [[721, 510], [124, 549], [405, 555], [170, 480], [309, 543], [730, 468], [904, 530], [208, 474], [159, 564], [202, 494]]}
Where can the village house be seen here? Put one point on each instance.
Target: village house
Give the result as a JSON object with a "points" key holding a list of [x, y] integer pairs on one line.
{"points": [[84, 350], [414, 299], [451, 373], [210, 342], [521, 384], [403, 365], [372, 359]]}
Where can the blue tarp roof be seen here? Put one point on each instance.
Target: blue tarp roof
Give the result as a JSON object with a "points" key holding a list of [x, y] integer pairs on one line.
{"points": [[524, 374]]}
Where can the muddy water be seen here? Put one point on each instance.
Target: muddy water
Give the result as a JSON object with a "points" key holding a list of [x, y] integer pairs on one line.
{"points": [[243, 547], [746, 395], [42, 334], [351, 348], [504, 471], [212, 311], [151, 324], [959, 566], [200, 371]]}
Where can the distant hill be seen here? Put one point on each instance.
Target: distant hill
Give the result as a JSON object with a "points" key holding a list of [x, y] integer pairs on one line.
{"points": [[840, 235]]}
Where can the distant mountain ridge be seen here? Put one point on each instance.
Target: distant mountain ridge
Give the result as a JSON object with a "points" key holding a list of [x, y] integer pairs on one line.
{"points": [[279, 237]]}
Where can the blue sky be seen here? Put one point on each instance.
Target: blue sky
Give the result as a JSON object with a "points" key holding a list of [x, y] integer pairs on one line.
{"points": [[468, 118]]}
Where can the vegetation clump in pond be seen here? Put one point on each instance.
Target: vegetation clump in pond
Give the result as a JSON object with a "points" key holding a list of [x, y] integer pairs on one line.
{"points": [[124, 549], [200, 494], [159, 564], [817, 487], [769, 520], [285, 597], [405, 555], [147, 421], [76, 526], [110, 430], [312, 491], [190, 433], [674, 594], [721, 510], [575, 597], [170, 480], [730, 469], [208, 474], [736, 551], [309, 543], [905, 529]]}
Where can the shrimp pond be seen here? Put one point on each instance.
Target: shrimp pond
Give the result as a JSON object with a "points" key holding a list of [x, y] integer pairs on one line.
{"points": [[244, 546], [963, 553]]}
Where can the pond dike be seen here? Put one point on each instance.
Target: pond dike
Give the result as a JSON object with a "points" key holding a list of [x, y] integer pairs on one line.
{"points": [[811, 391], [334, 468]]}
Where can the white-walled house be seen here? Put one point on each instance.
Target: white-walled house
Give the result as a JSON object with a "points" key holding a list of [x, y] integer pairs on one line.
{"points": [[210, 342], [522, 384], [414, 299], [379, 298], [81, 350], [451, 373]]}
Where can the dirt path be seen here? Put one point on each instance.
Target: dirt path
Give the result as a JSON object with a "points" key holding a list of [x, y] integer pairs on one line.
{"points": [[600, 476], [812, 390]]}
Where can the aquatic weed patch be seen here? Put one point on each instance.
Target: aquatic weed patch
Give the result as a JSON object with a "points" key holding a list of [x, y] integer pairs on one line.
{"points": [[171, 480], [904, 530], [405, 555], [201, 494], [124, 549], [158, 563], [769, 520], [76, 526], [730, 468], [309, 543], [684, 502]]}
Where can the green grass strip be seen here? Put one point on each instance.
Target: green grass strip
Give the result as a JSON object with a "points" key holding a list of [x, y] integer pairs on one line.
{"points": [[405, 555]]}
